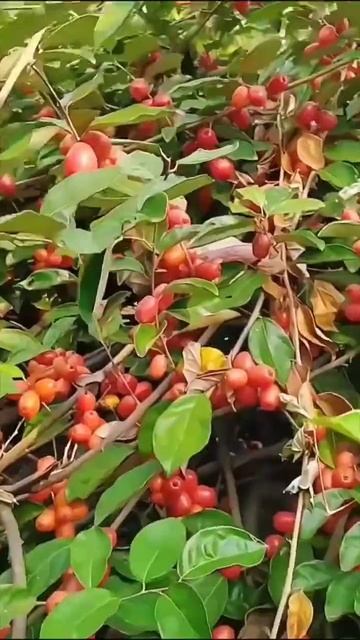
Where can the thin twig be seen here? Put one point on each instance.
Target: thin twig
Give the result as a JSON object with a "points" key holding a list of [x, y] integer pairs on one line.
{"points": [[246, 457], [245, 332], [292, 560], [203, 23], [16, 560], [335, 363], [126, 510], [59, 107], [225, 462], [291, 308], [324, 72]]}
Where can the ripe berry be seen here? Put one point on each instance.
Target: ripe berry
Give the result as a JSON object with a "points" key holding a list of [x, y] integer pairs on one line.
{"points": [[326, 120], [29, 405], [158, 367], [65, 531], [311, 49], [80, 433], [95, 442], [92, 420], [327, 36], [162, 100], [205, 496], [257, 96], [274, 542], [356, 247], [139, 89], [63, 514], [345, 459], [222, 169], [174, 257], [79, 510], [45, 463], [283, 522], [261, 245], [80, 158], [164, 297], [206, 138], [158, 498], [243, 361], [111, 534], [207, 62], [282, 317], [232, 573], [189, 147], [353, 292], [236, 378], [126, 407], [308, 115], [246, 397], [143, 390], [240, 118], [180, 506], [277, 85], [343, 478], [45, 522], [350, 214], [46, 389], [100, 144], [352, 312], [172, 488], [146, 310], [66, 143], [208, 271], [86, 402], [190, 481], [55, 599], [46, 112], [176, 217], [269, 398], [240, 98], [7, 186], [261, 376], [157, 484], [223, 631], [126, 383]]}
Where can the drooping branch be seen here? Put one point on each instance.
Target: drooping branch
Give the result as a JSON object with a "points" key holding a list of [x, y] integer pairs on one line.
{"points": [[16, 561]]}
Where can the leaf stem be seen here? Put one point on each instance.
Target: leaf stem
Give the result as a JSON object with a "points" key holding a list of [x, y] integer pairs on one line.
{"points": [[59, 108]]}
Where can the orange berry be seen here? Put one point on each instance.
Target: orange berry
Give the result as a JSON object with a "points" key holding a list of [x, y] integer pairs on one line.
{"points": [[45, 522], [63, 514], [29, 405], [46, 390], [55, 599], [79, 510], [158, 367], [66, 531]]}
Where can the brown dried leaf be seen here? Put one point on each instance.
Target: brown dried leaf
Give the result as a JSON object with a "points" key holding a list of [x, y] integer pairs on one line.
{"points": [[192, 361], [127, 432], [326, 301], [274, 289], [286, 163], [257, 624], [203, 384], [300, 615], [298, 375], [309, 149], [306, 398], [331, 404], [309, 331]]}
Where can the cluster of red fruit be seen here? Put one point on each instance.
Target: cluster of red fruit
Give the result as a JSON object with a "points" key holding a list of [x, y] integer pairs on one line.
{"points": [[312, 118], [179, 262], [87, 422], [61, 516], [70, 584], [50, 257], [351, 308], [140, 91], [94, 151], [182, 495], [327, 36], [247, 385], [51, 375], [345, 475]]}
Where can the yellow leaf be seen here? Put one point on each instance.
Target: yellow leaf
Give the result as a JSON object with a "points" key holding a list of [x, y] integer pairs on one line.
{"points": [[309, 331], [212, 359], [326, 301], [309, 149], [300, 615]]}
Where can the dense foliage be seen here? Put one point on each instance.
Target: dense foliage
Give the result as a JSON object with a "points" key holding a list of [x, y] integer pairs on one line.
{"points": [[180, 319]]}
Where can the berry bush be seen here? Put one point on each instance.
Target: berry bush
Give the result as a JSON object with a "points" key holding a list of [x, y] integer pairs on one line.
{"points": [[180, 320]]}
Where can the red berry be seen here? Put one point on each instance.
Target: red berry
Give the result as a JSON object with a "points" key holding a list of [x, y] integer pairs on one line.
{"points": [[181, 506], [145, 130], [86, 402], [352, 312], [257, 96], [207, 62], [283, 522], [326, 120], [206, 138], [162, 100], [7, 186], [190, 481], [29, 405], [46, 112], [176, 217], [46, 389], [99, 142], [126, 383], [205, 496], [274, 542], [261, 245], [53, 259], [164, 297], [92, 419], [189, 147], [240, 118], [277, 85], [327, 36], [308, 115], [232, 573], [356, 247], [223, 631], [349, 214], [345, 459], [353, 292], [172, 488], [45, 522], [174, 257], [282, 317], [240, 97], [343, 478], [342, 26], [222, 169], [157, 484], [146, 310], [80, 433], [143, 390], [158, 498], [139, 89], [246, 397], [261, 376], [126, 407], [80, 158], [208, 271], [158, 367], [242, 7], [269, 398], [311, 49], [111, 534], [236, 378], [55, 599], [243, 361], [66, 143]]}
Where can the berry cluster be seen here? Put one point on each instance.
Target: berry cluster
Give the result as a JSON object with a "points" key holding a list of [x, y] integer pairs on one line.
{"points": [[247, 385], [312, 118], [50, 378], [179, 262], [70, 584], [87, 422], [50, 257], [242, 7], [122, 392], [61, 516], [351, 308], [94, 151], [327, 36], [345, 475], [182, 495], [140, 91]]}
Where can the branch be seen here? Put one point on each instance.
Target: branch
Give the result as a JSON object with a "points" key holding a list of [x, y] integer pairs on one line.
{"points": [[225, 462], [245, 332], [126, 510], [202, 24], [324, 72], [292, 308], [292, 560], [16, 560], [57, 102], [335, 363]]}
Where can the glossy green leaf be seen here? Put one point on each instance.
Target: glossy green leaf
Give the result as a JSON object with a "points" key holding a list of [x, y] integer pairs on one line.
{"points": [[347, 150], [340, 229], [213, 591], [156, 549], [180, 613], [316, 515], [110, 20], [207, 518], [145, 437], [80, 615], [348, 424], [21, 345], [83, 482], [124, 488], [182, 430], [303, 237], [269, 344], [30, 222], [145, 336], [279, 566], [340, 596], [298, 206], [89, 554], [46, 563], [259, 56], [219, 547], [202, 155], [350, 549], [136, 612], [314, 575], [133, 114], [339, 174], [47, 278], [14, 601], [242, 597], [92, 284]]}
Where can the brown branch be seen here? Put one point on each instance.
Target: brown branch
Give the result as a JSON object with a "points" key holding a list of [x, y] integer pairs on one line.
{"points": [[126, 510], [225, 462], [245, 332], [247, 457], [324, 72], [335, 363], [16, 560]]}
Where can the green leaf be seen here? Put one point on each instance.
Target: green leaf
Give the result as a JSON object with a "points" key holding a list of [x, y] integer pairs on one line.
{"points": [[347, 150], [207, 518], [340, 229], [154, 208], [202, 155], [350, 549], [348, 424], [156, 548], [332, 253], [58, 330], [23, 346], [14, 602], [339, 174], [258, 58], [242, 597], [182, 430], [83, 482], [340, 596], [303, 237], [255, 194], [133, 114], [213, 591], [46, 563], [92, 284], [89, 554], [302, 205], [145, 437], [47, 278], [185, 285], [180, 613], [220, 228], [144, 336], [314, 575], [124, 488], [315, 516], [30, 222], [244, 151], [279, 566], [127, 264], [136, 612], [78, 241], [110, 20], [269, 344], [140, 47], [80, 615], [217, 548]]}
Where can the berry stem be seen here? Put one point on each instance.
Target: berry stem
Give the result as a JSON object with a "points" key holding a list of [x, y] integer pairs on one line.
{"points": [[324, 72], [292, 309], [57, 102], [335, 363], [233, 497], [16, 560]]}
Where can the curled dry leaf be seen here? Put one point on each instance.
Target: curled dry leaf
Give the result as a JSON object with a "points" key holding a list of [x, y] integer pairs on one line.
{"points": [[286, 162], [274, 289], [291, 404], [204, 384], [306, 479], [309, 149], [192, 361], [326, 301], [331, 404], [257, 624], [298, 375], [300, 615], [227, 250], [306, 398], [309, 331], [126, 433]]}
